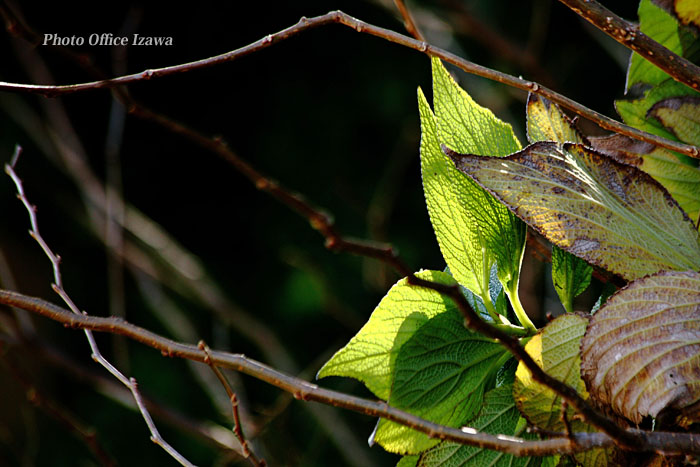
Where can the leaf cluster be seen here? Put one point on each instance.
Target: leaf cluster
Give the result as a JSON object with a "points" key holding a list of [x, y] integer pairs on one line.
{"points": [[626, 208]]}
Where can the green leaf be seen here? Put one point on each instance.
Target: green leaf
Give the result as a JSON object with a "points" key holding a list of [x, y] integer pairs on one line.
{"points": [[636, 112], [497, 416], [371, 355], [556, 350], [663, 28], [610, 214], [546, 122], [680, 179], [495, 292], [408, 461], [571, 276], [472, 229], [680, 116], [441, 374], [641, 352]]}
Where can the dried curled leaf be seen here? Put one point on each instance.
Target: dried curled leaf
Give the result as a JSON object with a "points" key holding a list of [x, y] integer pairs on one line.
{"points": [[612, 215], [641, 351]]}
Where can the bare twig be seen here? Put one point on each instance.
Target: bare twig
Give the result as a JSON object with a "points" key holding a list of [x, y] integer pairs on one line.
{"points": [[629, 35], [645, 441], [58, 288], [318, 219], [408, 21], [565, 419], [622, 437], [237, 427], [338, 17]]}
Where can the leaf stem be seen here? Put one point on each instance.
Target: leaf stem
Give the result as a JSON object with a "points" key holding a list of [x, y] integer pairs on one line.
{"points": [[524, 319]]}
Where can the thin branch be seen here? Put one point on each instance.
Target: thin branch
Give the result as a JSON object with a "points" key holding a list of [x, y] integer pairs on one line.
{"points": [[303, 390], [629, 35], [408, 21], [57, 286], [318, 219], [624, 438], [237, 427], [338, 17]]}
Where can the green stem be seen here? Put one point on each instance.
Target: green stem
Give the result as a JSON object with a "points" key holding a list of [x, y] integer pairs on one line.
{"points": [[513, 330], [519, 310]]}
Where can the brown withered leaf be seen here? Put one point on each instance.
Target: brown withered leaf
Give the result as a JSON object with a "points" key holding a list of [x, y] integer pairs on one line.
{"points": [[640, 355], [611, 214]]}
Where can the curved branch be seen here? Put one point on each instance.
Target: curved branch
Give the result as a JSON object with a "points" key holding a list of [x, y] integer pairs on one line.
{"points": [[303, 390], [629, 35], [338, 17]]}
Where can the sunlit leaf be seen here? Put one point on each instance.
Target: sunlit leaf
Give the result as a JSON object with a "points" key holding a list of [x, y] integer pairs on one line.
{"points": [[571, 276], [687, 12], [473, 230], [680, 179], [371, 355], [556, 349], [546, 122], [408, 461], [680, 116], [497, 416], [610, 214], [663, 28], [636, 112], [641, 352], [441, 374]]}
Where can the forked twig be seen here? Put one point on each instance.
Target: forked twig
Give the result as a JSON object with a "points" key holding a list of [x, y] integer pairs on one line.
{"points": [[237, 427], [57, 286], [338, 17], [303, 390]]}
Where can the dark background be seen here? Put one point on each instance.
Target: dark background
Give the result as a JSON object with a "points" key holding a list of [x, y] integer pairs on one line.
{"points": [[331, 114]]}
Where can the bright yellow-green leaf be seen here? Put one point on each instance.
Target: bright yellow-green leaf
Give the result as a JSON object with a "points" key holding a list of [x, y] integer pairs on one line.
{"points": [[680, 179], [472, 229], [370, 356], [612, 215], [441, 374], [680, 116], [641, 352], [663, 28], [546, 122], [688, 11]]}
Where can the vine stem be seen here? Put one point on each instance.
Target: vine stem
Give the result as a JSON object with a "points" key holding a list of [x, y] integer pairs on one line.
{"points": [[338, 17], [57, 287], [683, 443]]}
